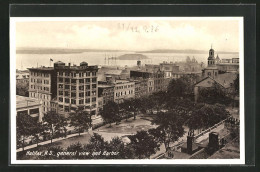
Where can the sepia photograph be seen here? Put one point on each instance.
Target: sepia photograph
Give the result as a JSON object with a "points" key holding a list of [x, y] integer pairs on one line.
{"points": [[164, 90]]}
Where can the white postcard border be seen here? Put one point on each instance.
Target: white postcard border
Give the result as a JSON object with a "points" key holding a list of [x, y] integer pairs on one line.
{"points": [[12, 114]]}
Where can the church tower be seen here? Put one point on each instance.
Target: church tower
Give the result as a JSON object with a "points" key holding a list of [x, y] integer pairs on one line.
{"points": [[211, 58], [211, 70]]}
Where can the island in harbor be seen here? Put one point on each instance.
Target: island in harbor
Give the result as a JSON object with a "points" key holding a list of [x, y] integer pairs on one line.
{"points": [[132, 57]]}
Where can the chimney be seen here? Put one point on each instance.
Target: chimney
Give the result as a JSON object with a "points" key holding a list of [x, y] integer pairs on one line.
{"points": [[69, 64]]}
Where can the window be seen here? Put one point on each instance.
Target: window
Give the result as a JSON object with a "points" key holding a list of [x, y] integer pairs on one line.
{"points": [[87, 87], [60, 85], [73, 81], [73, 87], [34, 111], [61, 106], [73, 94], [66, 93], [87, 73], [66, 108], [81, 87], [94, 86], [87, 80], [67, 87], [81, 94], [61, 93], [67, 100], [67, 80], [93, 99], [81, 81], [93, 73], [81, 102], [60, 99], [87, 100], [93, 93], [47, 88], [73, 101], [209, 74], [46, 81], [94, 79], [88, 93]]}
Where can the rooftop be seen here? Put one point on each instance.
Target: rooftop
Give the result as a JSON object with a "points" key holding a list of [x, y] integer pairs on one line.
{"points": [[113, 72], [121, 81], [23, 102], [226, 79], [104, 86], [43, 68]]}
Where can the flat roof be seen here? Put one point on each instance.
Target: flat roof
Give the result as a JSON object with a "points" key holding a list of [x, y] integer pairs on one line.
{"points": [[42, 68], [23, 102], [104, 86], [121, 81]]}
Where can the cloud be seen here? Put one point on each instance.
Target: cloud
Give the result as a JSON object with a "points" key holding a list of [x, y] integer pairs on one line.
{"points": [[130, 35]]}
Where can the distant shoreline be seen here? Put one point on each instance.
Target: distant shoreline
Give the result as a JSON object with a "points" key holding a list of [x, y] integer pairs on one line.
{"points": [[78, 51]]}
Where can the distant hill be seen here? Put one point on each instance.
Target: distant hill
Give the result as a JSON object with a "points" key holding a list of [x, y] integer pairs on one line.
{"points": [[132, 57], [187, 51], [58, 51]]}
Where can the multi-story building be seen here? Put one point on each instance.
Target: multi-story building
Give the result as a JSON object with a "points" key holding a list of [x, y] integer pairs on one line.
{"points": [[228, 65], [22, 77], [124, 89], [146, 82], [76, 86], [168, 69], [43, 85], [154, 78], [159, 81], [107, 92]]}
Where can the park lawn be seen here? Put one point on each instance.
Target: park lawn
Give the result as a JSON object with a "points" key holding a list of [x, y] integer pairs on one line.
{"points": [[124, 128], [130, 126]]}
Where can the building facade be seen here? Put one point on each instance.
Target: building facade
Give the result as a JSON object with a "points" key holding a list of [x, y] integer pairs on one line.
{"points": [[107, 92], [29, 106], [43, 85], [76, 86], [124, 89], [211, 70]]}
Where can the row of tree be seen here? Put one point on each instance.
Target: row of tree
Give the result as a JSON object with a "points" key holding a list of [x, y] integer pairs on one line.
{"points": [[53, 125]]}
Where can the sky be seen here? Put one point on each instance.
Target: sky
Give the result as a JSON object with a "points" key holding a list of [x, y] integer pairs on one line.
{"points": [[130, 34]]}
